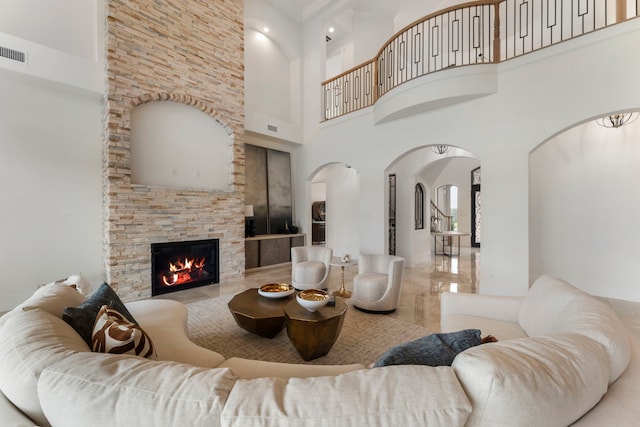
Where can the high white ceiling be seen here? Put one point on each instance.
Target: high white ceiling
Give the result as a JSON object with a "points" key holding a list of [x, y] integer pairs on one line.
{"points": [[339, 13], [301, 10]]}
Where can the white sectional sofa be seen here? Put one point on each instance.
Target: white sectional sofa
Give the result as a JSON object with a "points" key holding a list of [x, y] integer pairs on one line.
{"points": [[563, 357]]}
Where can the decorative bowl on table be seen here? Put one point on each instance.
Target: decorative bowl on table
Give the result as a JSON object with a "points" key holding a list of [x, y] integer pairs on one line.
{"points": [[312, 299], [276, 290]]}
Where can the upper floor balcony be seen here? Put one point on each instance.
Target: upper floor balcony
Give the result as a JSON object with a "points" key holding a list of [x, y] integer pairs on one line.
{"points": [[476, 33]]}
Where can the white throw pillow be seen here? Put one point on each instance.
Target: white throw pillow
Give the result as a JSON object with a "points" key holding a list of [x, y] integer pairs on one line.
{"points": [[80, 282], [53, 298]]}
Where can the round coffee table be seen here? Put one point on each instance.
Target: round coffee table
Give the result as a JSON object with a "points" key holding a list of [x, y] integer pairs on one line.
{"points": [[257, 314], [314, 333]]}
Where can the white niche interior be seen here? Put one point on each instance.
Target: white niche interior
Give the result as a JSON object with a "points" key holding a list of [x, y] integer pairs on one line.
{"points": [[179, 146]]}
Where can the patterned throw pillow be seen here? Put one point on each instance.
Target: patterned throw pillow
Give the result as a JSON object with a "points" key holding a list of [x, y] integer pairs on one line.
{"points": [[83, 317], [113, 333]]}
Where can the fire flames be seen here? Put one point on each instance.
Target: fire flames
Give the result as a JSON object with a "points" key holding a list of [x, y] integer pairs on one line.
{"points": [[183, 271]]}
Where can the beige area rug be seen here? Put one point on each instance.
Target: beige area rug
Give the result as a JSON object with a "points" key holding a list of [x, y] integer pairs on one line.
{"points": [[364, 337]]}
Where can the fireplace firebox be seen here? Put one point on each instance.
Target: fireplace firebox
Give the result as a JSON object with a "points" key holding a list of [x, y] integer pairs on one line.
{"points": [[184, 265]]}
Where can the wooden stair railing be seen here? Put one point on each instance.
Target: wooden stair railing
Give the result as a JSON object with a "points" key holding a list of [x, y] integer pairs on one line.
{"points": [[488, 31]]}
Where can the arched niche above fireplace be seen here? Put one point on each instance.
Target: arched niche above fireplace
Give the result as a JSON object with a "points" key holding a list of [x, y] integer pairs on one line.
{"points": [[179, 146]]}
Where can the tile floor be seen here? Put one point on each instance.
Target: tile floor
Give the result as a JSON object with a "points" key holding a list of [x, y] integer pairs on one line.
{"points": [[422, 287]]}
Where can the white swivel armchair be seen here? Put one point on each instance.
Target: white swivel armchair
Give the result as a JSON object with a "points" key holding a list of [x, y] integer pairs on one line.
{"points": [[310, 267], [376, 287]]}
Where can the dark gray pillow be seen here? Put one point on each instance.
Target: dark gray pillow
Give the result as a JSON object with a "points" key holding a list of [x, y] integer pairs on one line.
{"points": [[432, 350], [83, 317]]}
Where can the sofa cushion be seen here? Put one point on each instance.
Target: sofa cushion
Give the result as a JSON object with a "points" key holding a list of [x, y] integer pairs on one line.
{"points": [[83, 317], [542, 381], [501, 329], [595, 319], [554, 306], [118, 390], [547, 297], [113, 333], [249, 369], [394, 396], [431, 350], [31, 340]]}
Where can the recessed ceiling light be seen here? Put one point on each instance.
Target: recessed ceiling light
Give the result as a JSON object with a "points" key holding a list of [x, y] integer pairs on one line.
{"points": [[331, 29], [265, 29]]}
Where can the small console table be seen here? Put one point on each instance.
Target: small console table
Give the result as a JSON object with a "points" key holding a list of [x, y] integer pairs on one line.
{"points": [[445, 235]]}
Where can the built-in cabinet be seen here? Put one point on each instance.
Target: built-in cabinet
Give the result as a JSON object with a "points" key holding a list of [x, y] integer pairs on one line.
{"points": [[270, 249], [318, 233], [268, 189]]}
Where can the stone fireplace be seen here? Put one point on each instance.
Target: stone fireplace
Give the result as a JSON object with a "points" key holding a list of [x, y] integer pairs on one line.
{"points": [[186, 52]]}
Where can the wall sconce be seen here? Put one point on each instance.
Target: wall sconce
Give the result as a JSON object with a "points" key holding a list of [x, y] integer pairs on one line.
{"points": [[249, 226], [617, 120]]}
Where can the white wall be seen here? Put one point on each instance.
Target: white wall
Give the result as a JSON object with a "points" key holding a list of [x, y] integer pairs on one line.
{"points": [[342, 209], [50, 185], [339, 186], [55, 24], [63, 40], [273, 72], [583, 205], [267, 77], [538, 95], [370, 31]]}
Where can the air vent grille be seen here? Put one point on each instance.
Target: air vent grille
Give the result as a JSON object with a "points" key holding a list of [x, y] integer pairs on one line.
{"points": [[272, 128], [14, 55]]}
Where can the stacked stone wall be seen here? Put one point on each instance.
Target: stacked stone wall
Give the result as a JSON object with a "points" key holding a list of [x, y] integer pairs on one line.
{"points": [[188, 51]]}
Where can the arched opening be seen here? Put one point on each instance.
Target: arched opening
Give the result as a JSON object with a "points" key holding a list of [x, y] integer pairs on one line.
{"points": [[583, 202], [423, 169], [333, 207]]}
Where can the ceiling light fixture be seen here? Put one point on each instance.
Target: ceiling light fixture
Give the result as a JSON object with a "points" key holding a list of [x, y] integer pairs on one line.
{"points": [[440, 148], [617, 120], [265, 29], [331, 29]]}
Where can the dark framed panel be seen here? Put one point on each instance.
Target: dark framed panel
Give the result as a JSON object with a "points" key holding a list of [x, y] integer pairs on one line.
{"points": [[476, 207], [256, 185], [268, 188], [279, 190], [419, 207]]}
